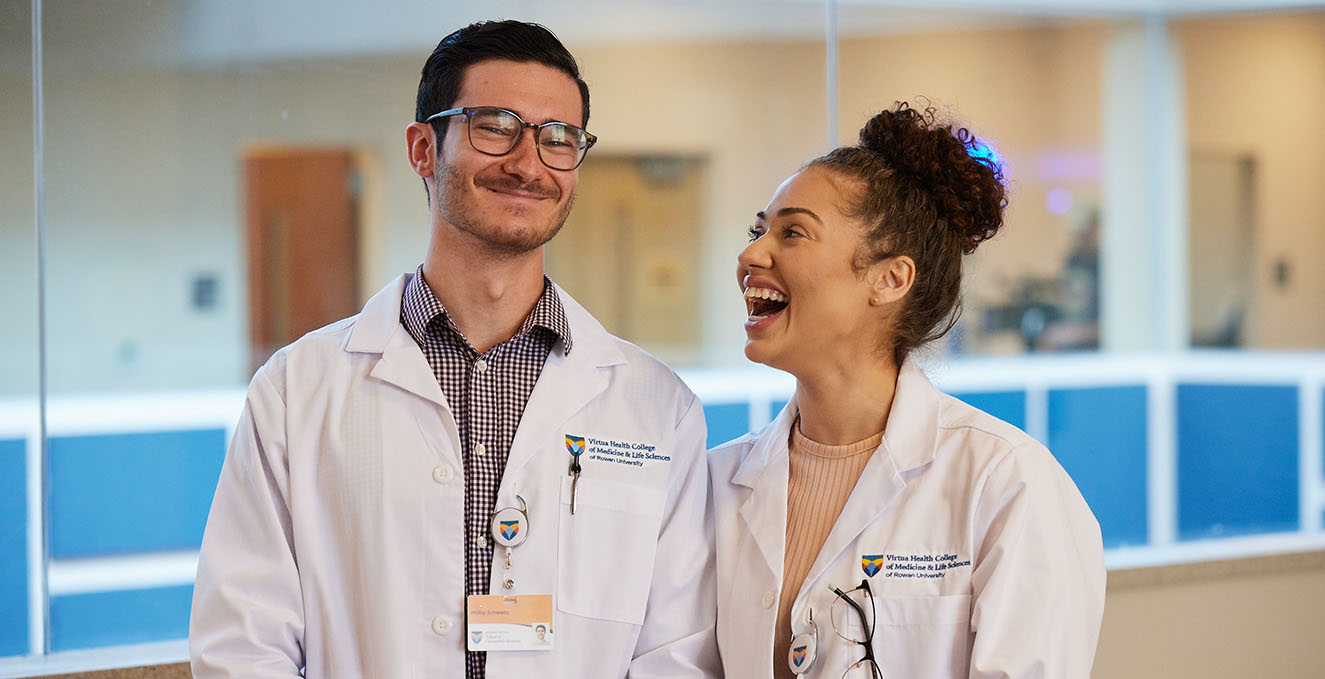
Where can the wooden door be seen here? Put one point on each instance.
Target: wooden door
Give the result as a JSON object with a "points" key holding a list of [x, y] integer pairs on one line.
{"points": [[303, 243]]}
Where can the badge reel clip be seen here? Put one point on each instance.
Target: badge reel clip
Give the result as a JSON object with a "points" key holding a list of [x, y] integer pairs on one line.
{"points": [[510, 528], [804, 649]]}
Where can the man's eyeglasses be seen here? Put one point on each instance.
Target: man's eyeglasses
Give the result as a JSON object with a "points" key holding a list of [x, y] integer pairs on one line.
{"points": [[496, 132], [851, 607]]}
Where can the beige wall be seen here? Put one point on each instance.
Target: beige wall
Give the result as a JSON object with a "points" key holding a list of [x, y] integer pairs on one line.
{"points": [[1224, 620], [1256, 87]]}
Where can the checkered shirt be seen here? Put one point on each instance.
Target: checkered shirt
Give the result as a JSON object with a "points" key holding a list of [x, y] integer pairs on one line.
{"points": [[487, 394]]}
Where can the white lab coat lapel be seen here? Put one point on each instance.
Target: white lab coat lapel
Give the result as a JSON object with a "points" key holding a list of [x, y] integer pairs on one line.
{"points": [[378, 330], [908, 442], [568, 382], [765, 471]]}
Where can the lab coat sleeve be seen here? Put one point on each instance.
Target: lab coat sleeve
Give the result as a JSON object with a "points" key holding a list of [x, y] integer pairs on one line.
{"points": [[247, 618], [1038, 577], [678, 636]]}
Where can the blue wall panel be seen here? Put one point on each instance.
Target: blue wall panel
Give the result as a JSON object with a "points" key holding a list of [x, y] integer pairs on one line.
{"points": [[123, 617], [129, 493], [775, 408], [1237, 460], [726, 421], [13, 548], [1099, 436], [1009, 406]]}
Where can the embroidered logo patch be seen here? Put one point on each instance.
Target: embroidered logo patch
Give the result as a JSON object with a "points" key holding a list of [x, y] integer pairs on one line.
{"points": [[574, 444], [871, 564]]}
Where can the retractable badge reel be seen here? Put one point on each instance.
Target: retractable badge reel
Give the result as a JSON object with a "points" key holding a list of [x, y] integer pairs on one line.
{"points": [[804, 649], [510, 528]]}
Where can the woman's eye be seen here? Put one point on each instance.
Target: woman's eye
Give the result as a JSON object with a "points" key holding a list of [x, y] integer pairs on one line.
{"points": [[754, 233], [791, 232]]}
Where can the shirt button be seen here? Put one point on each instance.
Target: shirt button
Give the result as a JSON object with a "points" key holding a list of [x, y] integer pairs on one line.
{"points": [[481, 365], [442, 474], [770, 598], [480, 449], [441, 625], [483, 541]]}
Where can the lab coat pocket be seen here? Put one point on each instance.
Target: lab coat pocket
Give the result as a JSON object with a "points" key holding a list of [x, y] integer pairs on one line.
{"points": [[606, 549], [923, 636]]}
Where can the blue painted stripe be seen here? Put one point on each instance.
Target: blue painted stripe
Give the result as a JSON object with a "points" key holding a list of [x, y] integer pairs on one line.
{"points": [[1099, 436], [726, 421], [13, 548], [131, 493], [1009, 406], [123, 617], [1237, 460]]}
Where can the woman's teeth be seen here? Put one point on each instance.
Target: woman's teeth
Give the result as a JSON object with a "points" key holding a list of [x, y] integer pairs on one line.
{"points": [[763, 302], [765, 293]]}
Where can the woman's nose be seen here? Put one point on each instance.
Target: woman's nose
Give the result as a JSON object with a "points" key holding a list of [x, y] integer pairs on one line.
{"points": [[755, 255]]}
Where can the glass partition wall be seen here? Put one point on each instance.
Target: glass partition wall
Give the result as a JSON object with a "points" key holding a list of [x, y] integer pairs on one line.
{"points": [[20, 422], [210, 180]]}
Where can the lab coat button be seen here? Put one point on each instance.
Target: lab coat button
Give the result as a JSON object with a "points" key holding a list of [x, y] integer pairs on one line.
{"points": [[770, 598], [442, 474], [481, 365], [441, 625]]}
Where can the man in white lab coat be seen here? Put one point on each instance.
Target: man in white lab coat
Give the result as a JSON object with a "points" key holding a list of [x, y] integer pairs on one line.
{"points": [[413, 491]]}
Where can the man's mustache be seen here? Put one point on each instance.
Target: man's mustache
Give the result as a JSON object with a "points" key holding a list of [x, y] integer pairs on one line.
{"points": [[508, 184]]}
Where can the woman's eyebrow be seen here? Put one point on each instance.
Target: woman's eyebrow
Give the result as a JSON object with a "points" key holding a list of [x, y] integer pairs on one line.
{"points": [[791, 211]]}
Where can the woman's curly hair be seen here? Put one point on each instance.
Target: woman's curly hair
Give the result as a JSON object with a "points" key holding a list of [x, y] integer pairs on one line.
{"points": [[927, 190]]}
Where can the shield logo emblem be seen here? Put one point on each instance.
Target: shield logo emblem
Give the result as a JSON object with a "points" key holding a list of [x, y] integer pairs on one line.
{"points": [[574, 444], [871, 563], [798, 655], [477, 637], [509, 529]]}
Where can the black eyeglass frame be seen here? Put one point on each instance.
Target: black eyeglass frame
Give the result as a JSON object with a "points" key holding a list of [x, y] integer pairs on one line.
{"points": [[469, 111], [865, 625]]}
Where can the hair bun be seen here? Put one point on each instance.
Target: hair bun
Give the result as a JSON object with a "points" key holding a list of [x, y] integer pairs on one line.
{"points": [[946, 162]]}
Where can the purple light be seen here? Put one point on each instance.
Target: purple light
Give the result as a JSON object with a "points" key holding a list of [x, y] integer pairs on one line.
{"points": [[1059, 201]]}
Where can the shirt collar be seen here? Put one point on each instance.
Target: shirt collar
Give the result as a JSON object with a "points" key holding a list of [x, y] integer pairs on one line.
{"points": [[420, 309]]}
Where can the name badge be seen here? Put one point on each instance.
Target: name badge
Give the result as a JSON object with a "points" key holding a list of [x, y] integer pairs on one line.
{"points": [[497, 622]]}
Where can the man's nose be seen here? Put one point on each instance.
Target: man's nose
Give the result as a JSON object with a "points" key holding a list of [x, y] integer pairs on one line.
{"points": [[523, 161]]}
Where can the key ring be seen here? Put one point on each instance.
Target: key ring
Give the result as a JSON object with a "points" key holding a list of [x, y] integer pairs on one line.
{"points": [[510, 526]]}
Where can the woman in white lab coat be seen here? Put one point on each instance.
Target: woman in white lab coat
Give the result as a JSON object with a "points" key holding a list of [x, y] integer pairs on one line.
{"points": [[878, 527]]}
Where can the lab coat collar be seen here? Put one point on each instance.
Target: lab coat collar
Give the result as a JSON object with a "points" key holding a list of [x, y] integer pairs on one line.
{"points": [[913, 424], [378, 330], [909, 434], [908, 443], [764, 469]]}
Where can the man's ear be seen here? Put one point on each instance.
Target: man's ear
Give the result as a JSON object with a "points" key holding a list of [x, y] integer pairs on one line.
{"points": [[420, 149], [890, 279]]}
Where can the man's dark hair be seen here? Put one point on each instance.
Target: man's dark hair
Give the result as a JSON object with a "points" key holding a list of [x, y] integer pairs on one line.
{"points": [[444, 71]]}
